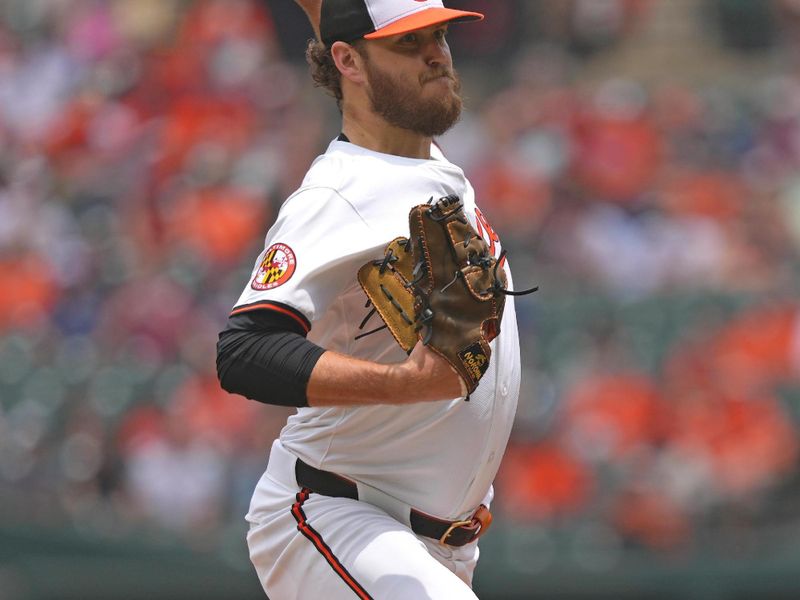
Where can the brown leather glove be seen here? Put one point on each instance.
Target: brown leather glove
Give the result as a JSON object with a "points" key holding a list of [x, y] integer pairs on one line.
{"points": [[442, 284]]}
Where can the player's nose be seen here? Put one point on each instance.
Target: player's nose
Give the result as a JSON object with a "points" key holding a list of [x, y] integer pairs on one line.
{"points": [[436, 52]]}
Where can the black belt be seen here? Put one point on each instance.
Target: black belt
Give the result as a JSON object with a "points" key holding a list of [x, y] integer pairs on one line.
{"points": [[452, 533]]}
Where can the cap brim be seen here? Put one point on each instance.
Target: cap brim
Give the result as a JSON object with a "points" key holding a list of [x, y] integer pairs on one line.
{"points": [[424, 18]]}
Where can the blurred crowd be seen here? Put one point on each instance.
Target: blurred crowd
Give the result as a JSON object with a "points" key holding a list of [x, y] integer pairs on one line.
{"points": [[145, 146]]}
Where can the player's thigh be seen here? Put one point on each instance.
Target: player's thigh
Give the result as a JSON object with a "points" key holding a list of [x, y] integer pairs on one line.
{"points": [[336, 548]]}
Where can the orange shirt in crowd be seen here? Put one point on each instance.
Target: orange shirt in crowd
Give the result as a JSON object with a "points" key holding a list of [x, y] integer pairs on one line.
{"points": [[28, 290], [210, 412], [715, 195], [542, 481], [617, 159], [746, 441], [218, 223], [616, 411], [651, 518], [760, 345]]}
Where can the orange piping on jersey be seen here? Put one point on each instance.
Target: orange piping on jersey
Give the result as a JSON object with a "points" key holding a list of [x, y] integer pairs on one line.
{"points": [[270, 306]]}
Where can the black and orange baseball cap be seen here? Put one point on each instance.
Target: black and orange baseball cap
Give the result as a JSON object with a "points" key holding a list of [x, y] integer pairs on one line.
{"points": [[349, 20]]}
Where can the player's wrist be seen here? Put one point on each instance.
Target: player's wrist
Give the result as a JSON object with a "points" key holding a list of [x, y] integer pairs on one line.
{"points": [[430, 377]]}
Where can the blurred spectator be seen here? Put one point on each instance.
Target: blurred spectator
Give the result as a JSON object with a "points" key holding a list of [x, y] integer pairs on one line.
{"points": [[613, 416], [588, 26], [28, 290], [500, 37], [543, 482], [618, 148], [174, 478], [746, 25]]}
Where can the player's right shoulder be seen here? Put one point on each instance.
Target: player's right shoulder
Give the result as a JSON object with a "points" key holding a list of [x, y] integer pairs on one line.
{"points": [[327, 182], [314, 198], [330, 169]]}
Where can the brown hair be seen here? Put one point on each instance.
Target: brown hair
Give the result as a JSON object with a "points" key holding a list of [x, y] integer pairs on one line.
{"points": [[323, 69]]}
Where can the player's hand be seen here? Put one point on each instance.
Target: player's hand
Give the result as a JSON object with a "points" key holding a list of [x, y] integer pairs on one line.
{"points": [[432, 376]]}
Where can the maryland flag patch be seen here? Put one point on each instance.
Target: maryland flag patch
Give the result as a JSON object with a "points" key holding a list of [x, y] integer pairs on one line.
{"points": [[276, 268]]}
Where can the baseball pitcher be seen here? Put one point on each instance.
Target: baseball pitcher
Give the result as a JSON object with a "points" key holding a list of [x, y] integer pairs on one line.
{"points": [[380, 307]]}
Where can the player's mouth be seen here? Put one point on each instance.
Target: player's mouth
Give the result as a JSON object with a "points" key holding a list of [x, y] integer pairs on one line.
{"points": [[439, 76]]}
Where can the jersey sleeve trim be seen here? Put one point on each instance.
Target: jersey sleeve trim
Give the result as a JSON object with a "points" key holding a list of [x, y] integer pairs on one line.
{"points": [[277, 307]]}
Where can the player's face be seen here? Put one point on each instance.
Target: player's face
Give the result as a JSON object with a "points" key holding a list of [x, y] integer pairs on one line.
{"points": [[412, 83]]}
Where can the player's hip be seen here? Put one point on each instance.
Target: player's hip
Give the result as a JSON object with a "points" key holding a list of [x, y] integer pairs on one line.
{"points": [[287, 475], [307, 545]]}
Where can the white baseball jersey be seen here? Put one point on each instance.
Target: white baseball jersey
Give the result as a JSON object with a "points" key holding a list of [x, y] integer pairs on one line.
{"points": [[439, 457]]}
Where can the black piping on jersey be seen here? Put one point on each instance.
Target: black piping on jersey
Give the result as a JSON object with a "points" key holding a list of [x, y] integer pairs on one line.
{"points": [[304, 527], [263, 354], [279, 307]]}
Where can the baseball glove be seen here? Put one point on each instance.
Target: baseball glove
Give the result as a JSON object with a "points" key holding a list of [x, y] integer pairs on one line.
{"points": [[441, 285]]}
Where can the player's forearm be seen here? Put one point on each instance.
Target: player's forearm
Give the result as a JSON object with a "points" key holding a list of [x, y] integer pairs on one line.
{"points": [[339, 380]]}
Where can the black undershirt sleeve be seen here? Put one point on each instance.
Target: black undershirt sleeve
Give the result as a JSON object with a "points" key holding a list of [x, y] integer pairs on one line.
{"points": [[265, 356]]}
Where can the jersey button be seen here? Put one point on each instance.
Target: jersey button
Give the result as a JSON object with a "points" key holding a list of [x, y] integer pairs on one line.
{"points": [[504, 390], [491, 457]]}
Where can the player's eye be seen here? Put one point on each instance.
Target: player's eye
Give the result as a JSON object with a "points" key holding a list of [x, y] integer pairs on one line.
{"points": [[441, 33], [409, 38]]}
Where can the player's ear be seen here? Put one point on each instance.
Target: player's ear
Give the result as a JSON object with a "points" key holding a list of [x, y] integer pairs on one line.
{"points": [[349, 62]]}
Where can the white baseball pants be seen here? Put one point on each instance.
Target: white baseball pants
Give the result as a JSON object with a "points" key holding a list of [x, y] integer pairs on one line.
{"points": [[313, 547]]}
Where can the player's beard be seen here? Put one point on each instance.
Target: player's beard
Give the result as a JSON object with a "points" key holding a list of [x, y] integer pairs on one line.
{"points": [[404, 105]]}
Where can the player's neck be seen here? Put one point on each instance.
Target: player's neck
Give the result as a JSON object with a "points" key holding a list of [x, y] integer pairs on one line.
{"points": [[373, 133]]}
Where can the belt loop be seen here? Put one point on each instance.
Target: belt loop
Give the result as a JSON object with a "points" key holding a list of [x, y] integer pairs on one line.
{"points": [[484, 516]]}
